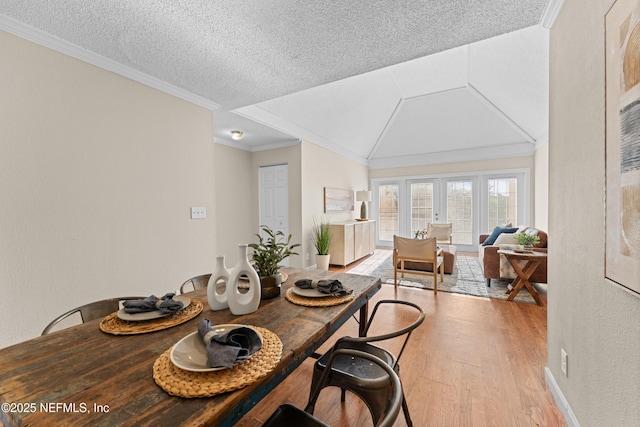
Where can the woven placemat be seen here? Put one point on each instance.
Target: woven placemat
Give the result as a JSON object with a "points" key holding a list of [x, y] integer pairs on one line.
{"points": [[316, 302], [113, 325], [179, 382]]}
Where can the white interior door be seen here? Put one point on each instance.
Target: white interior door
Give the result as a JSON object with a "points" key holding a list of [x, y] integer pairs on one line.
{"points": [[274, 198]]}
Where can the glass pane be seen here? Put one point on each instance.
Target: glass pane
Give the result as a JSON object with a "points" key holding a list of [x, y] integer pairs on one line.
{"points": [[388, 202], [503, 202], [460, 210], [421, 206]]}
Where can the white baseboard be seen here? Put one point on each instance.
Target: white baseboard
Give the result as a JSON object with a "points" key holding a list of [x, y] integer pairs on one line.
{"points": [[560, 400]]}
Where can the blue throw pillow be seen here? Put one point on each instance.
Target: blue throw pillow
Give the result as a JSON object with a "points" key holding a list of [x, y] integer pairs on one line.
{"points": [[495, 233]]}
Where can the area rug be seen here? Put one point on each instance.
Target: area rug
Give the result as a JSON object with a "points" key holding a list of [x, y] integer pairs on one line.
{"points": [[467, 278]]}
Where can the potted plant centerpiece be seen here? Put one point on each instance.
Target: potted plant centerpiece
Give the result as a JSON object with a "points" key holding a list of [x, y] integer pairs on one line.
{"points": [[527, 241], [321, 240], [268, 253]]}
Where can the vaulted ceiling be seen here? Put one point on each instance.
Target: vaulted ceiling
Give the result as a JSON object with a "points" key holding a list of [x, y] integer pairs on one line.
{"points": [[383, 82]]}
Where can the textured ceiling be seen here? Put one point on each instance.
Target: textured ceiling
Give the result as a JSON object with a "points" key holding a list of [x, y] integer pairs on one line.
{"points": [[352, 76], [484, 100]]}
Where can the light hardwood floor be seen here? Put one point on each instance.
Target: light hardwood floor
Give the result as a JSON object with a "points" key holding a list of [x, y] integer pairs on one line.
{"points": [[473, 362]]}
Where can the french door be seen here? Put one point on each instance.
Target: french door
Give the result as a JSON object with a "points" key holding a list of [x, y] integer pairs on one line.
{"points": [[473, 203], [407, 206]]}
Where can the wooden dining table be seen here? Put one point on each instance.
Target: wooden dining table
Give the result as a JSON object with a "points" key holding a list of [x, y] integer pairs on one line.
{"points": [[83, 376]]}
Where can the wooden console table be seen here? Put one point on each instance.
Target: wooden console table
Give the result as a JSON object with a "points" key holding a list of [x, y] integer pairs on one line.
{"points": [[351, 241], [533, 261]]}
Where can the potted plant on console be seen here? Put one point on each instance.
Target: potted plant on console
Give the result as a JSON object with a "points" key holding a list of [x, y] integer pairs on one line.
{"points": [[322, 240], [268, 253], [527, 241]]}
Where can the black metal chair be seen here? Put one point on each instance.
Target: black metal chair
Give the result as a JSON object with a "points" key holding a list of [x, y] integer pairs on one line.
{"points": [[360, 377], [197, 282], [289, 415], [88, 312]]}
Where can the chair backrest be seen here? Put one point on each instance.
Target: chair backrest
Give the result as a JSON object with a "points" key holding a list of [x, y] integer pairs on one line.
{"points": [[88, 312], [442, 232], [405, 331], [395, 402], [198, 282], [415, 249]]}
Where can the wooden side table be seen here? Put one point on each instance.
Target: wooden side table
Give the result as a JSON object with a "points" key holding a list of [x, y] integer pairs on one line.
{"points": [[533, 261]]}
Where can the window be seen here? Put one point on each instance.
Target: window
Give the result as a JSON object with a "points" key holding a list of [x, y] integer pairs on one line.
{"points": [[502, 202], [460, 210], [473, 202], [421, 206], [388, 211]]}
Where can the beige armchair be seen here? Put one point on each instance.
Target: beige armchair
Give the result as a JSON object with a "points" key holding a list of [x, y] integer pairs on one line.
{"points": [[442, 232], [417, 256]]}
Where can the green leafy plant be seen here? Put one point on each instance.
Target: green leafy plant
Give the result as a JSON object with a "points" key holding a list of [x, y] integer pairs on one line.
{"points": [[420, 234], [527, 239], [269, 252], [321, 236]]}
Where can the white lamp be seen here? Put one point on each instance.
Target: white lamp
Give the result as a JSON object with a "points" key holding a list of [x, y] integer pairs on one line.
{"points": [[363, 196], [236, 135]]}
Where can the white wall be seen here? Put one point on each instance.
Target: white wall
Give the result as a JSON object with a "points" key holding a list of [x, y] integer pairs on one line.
{"points": [[541, 187], [594, 320], [97, 177], [234, 202], [323, 168]]}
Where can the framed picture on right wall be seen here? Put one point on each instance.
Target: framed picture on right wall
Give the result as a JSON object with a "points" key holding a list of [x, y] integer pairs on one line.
{"points": [[622, 260]]}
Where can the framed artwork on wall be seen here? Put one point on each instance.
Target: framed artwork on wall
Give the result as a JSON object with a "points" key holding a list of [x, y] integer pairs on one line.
{"points": [[622, 259], [336, 200]]}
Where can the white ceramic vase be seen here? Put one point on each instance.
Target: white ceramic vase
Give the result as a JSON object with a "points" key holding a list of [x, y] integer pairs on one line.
{"points": [[322, 262], [218, 285], [243, 302]]}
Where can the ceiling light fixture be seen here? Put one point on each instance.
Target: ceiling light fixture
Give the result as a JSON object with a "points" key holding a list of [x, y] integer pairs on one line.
{"points": [[236, 135]]}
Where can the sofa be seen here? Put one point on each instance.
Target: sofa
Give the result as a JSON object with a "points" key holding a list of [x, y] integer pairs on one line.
{"points": [[495, 266]]}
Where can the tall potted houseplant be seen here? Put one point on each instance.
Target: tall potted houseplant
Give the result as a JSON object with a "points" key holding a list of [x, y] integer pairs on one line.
{"points": [[321, 236], [268, 253]]}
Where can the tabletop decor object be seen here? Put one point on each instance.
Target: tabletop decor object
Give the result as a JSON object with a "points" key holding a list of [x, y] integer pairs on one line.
{"points": [[268, 253], [324, 287], [243, 299], [165, 304], [363, 196], [188, 384], [226, 347], [113, 325], [138, 316], [327, 301], [217, 286], [527, 241]]}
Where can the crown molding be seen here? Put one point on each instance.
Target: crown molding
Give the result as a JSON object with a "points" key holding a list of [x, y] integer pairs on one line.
{"points": [[522, 149], [262, 116], [234, 144], [47, 40], [253, 149], [551, 13]]}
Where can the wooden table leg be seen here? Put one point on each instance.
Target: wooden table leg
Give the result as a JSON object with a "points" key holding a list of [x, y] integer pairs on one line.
{"points": [[523, 279]]}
